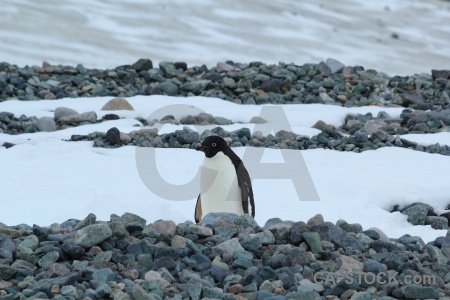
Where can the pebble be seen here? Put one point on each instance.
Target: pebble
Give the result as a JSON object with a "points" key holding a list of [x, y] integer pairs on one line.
{"points": [[143, 267]]}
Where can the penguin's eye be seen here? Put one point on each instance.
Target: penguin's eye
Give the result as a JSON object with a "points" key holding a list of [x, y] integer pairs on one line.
{"points": [[213, 144]]}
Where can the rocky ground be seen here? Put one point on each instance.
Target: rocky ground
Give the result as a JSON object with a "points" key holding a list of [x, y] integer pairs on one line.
{"points": [[329, 82], [224, 257]]}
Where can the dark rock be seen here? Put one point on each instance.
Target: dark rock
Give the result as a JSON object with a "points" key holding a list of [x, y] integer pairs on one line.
{"points": [[164, 262], [337, 236], [113, 136], [414, 291], [109, 117], [72, 250], [142, 64], [445, 74], [219, 274]]}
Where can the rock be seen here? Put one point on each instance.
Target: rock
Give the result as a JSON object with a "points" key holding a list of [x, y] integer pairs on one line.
{"points": [[221, 121], [311, 285], [201, 230], [245, 220], [227, 248], [219, 219], [334, 65], [320, 125], [56, 270], [316, 220], [46, 124], [355, 228], [164, 262], [113, 136], [414, 291], [372, 126], [143, 64], [72, 250], [195, 87], [349, 265], [168, 88], [117, 104], [313, 241], [131, 218], [63, 112], [202, 262], [90, 117], [437, 222], [11, 232], [416, 214], [91, 235], [223, 67], [48, 259], [125, 138], [337, 236], [444, 74], [166, 228]]}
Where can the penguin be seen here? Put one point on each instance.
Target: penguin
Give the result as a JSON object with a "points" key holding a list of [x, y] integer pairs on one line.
{"points": [[231, 190]]}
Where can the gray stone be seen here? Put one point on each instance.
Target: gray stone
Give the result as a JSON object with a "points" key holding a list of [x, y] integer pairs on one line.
{"points": [[46, 124], [69, 290], [373, 266], [337, 236], [27, 246], [103, 276], [223, 67], [245, 220], [118, 229], [91, 235], [195, 87], [7, 272], [266, 237], [436, 253], [334, 65], [361, 296], [314, 242], [130, 217], [414, 291], [139, 293], [416, 214], [227, 248], [48, 259], [437, 222], [168, 88], [221, 121], [242, 263], [63, 112], [90, 117], [373, 126], [164, 262], [355, 228]]}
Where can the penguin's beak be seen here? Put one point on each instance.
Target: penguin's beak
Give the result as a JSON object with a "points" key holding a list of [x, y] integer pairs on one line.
{"points": [[199, 147]]}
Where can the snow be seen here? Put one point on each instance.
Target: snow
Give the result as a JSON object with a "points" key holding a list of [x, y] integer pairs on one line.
{"points": [[48, 180], [104, 34]]}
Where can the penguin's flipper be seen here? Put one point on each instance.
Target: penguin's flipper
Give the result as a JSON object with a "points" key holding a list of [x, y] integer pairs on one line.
{"points": [[198, 210], [245, 183]]}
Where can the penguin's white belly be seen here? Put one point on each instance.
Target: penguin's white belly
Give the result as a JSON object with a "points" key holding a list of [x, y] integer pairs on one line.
{"points": [[223, 194]]}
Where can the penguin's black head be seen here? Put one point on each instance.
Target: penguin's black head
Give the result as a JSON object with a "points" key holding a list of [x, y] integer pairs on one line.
{"points": [[212, 145]]}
